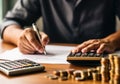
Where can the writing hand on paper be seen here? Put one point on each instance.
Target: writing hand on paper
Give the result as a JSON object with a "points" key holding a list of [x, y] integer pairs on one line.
{"points": [[28, 42], [100, 45]]}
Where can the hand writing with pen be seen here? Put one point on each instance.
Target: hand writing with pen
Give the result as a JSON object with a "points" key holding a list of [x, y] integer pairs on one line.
{"points": [[28, 42]]}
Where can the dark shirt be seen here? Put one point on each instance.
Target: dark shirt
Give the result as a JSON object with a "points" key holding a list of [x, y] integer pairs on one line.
{"points": [[67, 21]]}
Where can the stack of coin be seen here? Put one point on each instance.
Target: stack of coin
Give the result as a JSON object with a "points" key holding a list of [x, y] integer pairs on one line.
{"points": [[105, 69], [63, 74], [117, 70], [77, 73], [109, 69], [117, 65], [116, 79], [70, 71], [112, 67], [96, 76], [56, 72], [80, 75], [90, 71], [98, 68]]}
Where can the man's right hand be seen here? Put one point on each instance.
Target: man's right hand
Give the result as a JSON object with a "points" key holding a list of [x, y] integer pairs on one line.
{"points": [[26, 39], [28, 42]]}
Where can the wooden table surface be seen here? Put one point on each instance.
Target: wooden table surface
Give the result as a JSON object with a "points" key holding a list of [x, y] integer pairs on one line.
{"points": [[39, 78]]}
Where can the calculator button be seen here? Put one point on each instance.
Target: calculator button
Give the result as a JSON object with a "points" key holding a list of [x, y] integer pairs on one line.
{"points": [[72, 54], [91, 54], [19, 64], [78, 54], [13, 64], [5, 66], [84, 54], [36, 64], [97, 55], [28, 61], [8, 64]]}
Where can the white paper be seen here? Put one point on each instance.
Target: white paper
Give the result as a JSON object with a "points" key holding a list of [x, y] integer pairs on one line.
{"points": [[55, 55]]}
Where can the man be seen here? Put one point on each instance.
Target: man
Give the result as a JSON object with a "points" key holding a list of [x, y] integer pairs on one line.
{"points": [[90, 23]]}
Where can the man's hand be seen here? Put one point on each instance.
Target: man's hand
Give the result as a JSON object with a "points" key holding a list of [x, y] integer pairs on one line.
{"points": [[28, 42], [100, 45]]}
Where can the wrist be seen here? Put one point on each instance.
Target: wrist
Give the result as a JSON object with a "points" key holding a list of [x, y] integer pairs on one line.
{"points": [[114, 43], [12, 33]]}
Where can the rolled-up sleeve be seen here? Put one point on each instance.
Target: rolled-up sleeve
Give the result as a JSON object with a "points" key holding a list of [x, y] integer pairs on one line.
{"points": [[24, 13]]}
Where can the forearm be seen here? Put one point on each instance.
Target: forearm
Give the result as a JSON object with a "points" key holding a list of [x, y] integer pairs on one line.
{"points": [[12, 33], [114, 39]]}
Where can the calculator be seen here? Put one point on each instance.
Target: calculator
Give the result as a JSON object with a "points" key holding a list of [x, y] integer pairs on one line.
{"points": [[89, 58], [21, 66]]}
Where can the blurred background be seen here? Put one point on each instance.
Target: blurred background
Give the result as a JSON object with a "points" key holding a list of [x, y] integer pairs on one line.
{"points": [[6, 5]]}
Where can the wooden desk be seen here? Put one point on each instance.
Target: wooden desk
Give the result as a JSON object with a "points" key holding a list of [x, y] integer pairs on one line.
{"points": [[38, 78]]}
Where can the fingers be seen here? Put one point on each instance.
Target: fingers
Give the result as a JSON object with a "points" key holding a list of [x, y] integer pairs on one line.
{"points": [[24, 46], [85, 46], [105, 47], [32, 39], [28, 42], [99, 45], [44, 38], [90, 47]]}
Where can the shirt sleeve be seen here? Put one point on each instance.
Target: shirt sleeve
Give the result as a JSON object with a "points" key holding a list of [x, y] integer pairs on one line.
{"points": [[24, 13]]}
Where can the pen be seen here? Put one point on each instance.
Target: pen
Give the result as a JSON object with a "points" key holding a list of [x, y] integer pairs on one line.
{"points": [[35, 28]]}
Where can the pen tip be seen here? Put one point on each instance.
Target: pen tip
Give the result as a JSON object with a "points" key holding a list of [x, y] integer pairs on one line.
{"points": [[45, 52]]}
